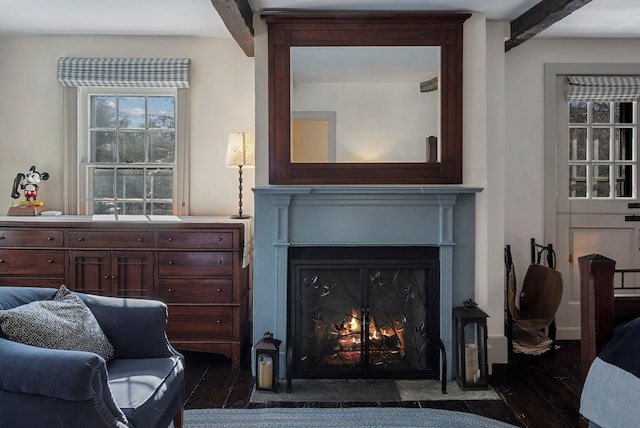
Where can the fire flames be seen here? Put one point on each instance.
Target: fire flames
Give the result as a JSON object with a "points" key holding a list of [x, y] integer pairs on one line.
{"points": [[350, 335]]}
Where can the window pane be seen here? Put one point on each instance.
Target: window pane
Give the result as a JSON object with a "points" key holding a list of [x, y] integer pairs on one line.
{"points": [[159, 208], [102, 207], [160, 183], [624, 143], [102, 183], [160, 112], [103, 146], [577, 181], [601, 112], [103, 112], [162, 148], [131, 147], [601, 146], [130, 208], [624, 112], [130, 183], [132, 112], [624, 181], [578, 144], [578, 112], [600, 187], [132, 153]]}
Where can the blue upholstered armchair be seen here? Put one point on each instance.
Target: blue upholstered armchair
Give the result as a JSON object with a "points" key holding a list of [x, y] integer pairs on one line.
{"points": [[141, 386]]}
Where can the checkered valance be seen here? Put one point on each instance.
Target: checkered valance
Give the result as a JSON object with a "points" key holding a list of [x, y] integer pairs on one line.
{"points": [[603, 88], [125, 72]]}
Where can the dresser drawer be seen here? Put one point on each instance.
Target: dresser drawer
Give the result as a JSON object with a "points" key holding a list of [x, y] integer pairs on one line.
{"points": [[32, 281], [37, 262], [195, 263], [31, 238], [195, 290], [199, 323], [110, 239], [196, 240]]}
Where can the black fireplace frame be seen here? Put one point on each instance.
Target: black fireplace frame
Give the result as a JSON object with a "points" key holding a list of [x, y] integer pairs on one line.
{"points": [[418, 257]]}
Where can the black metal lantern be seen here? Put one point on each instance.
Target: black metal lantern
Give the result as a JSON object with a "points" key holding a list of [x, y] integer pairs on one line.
{"points": [[267, 363], [470, 350]]}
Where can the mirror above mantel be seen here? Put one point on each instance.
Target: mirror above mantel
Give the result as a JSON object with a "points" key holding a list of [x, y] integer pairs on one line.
{"points": [[380, 86], [403, 74]]}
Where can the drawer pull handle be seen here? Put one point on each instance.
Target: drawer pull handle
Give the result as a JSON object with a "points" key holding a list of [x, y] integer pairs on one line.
{"points": [[106, 277], [140, 240], [50, 238], [1, 237], [219, 239], [113, 277], [170, 290], [169, 239], [219, 262], [218, 322], [81, 239], [219, 290], [170, 262], [50, 261], [1, 261]]}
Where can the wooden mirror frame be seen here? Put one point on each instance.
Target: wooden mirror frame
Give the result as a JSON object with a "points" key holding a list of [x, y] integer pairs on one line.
{"points": [[286, 30]]}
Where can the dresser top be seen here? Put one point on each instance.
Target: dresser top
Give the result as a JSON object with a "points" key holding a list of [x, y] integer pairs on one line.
{"points": [[109, 221]]}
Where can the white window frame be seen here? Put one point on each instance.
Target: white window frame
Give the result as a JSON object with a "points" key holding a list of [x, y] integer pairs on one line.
{"points": [[76, 112], [589, 163]]}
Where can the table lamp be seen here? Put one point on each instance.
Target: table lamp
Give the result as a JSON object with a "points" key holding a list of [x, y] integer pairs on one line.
{"points": [[240, 152]]}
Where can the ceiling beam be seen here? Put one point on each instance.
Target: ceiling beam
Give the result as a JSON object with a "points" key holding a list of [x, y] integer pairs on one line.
{"points": [[237, 15], [538, 18]]}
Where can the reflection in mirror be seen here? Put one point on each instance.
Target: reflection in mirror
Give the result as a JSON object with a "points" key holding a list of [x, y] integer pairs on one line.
{"points": [[385, 101], [313, 136]]}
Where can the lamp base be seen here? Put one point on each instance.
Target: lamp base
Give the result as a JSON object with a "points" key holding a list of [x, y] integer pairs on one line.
{"points": [[240, 216]]}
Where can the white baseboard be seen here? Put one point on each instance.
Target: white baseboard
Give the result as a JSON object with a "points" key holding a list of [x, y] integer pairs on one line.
{"points": [[568, 333], [497, 350]]}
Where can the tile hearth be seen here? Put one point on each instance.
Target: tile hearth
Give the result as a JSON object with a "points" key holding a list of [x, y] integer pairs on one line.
{"points": [[368, 390]]}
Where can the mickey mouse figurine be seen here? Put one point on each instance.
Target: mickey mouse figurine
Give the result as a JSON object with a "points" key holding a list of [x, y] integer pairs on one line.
{"points": [[29, 184]]}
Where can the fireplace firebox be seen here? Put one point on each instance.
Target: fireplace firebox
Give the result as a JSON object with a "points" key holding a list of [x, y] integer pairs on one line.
{"points": [[363, 312]]}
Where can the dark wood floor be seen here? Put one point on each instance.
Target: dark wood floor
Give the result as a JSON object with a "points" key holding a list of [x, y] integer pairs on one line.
{"points": [[536, 392]]}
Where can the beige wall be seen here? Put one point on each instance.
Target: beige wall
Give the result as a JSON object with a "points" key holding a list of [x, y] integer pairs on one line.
{"points": [[31, 122]]}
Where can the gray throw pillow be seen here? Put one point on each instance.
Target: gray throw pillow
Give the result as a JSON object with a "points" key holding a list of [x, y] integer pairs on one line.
{"points": [[64, 322]]}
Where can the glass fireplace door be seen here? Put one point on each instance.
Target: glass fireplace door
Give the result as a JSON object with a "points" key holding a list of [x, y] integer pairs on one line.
{"points": [[401, 321], [363, 318], [327, 315]]}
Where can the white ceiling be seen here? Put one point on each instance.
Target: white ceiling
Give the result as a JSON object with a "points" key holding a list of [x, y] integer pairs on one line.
{"points": [[116, 17], [599, 18]]}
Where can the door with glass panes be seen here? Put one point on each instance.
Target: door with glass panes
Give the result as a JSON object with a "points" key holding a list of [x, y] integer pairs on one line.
{"points": [[597, 194]]}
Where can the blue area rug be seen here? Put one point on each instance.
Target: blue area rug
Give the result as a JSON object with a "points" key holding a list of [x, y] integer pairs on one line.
{"points": [[336, 417]]}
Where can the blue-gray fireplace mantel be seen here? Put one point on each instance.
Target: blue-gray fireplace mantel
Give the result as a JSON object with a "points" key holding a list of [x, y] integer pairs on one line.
{"points": [[288, 216]]}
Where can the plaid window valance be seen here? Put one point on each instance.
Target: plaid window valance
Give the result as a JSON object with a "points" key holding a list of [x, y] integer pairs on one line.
{"points": [[603, 88], [125, 72]]}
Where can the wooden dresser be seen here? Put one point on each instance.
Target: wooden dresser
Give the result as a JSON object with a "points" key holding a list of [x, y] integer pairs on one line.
{"points": [[196, 265]]}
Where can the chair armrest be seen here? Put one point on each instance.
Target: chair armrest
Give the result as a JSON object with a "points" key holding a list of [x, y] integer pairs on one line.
{"points": [[68, 375], [135, 327]]}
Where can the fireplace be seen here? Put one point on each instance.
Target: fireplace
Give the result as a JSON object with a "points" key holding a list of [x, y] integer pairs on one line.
{"points": [[291, 220], [363, 312]]}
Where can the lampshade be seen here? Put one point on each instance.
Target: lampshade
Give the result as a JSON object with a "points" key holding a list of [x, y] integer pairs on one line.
{"points": [[240, 149]]}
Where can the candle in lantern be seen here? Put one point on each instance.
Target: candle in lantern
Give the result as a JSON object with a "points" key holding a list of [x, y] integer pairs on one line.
{"points": [[471, 366], [265, 375]]}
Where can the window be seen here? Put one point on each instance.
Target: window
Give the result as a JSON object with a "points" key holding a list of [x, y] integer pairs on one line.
{"points": [[602, 149], [129, 151], [126, 135]]}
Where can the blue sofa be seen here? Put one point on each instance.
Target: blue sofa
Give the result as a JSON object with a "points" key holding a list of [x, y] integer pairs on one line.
{"points": [[142, 386]]}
